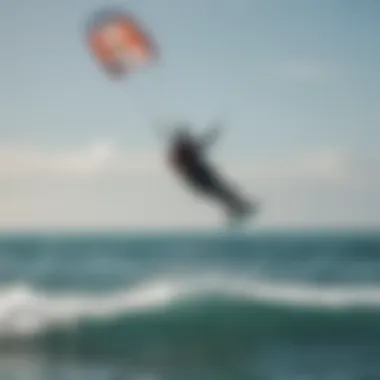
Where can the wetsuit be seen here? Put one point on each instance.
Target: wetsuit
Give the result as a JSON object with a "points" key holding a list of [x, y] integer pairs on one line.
{"points": [[187, 159]]}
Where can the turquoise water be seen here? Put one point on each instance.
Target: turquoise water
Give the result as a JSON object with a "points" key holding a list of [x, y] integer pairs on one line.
{"points": [[262, 306]]}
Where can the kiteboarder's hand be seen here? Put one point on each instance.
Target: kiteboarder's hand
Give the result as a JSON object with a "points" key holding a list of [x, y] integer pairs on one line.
{"points": [[211, 135], [216, 128]]}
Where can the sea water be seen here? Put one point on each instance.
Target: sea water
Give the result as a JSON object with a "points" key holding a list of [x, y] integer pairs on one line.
{"points": [[281, 306]]}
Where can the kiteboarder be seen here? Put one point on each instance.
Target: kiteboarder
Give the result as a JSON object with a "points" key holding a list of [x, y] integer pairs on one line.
{"points": [[187, 158]]}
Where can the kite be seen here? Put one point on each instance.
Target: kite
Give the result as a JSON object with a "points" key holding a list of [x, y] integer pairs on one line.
{"points": [[119, 43]]}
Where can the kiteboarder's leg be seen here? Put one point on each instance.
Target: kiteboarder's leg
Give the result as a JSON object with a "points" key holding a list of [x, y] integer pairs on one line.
{"points": [[208, 181], [236, 206]]}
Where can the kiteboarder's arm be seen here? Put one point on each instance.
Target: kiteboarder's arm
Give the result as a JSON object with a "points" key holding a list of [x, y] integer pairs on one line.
{"points": [[211, 135]]}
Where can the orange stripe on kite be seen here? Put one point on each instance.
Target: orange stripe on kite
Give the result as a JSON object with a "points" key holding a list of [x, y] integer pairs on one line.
{"points": [[120, 44]]}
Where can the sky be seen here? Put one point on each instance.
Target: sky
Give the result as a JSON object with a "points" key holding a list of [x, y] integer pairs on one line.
{"points": [[296, 84]]}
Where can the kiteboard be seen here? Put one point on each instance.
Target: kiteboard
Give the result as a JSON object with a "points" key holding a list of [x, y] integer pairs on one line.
{"points": [[241, 219]]}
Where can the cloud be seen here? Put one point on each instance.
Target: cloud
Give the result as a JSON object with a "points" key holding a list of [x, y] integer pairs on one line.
{"points": [[95, 159], [326, 164], [100, 159], [103, 185]]}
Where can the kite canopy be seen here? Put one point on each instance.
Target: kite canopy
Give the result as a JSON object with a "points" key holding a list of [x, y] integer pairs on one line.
{"points": [[119, 43]]}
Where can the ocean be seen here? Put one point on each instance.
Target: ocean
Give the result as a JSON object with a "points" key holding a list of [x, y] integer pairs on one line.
{"points": [[183, 306]]}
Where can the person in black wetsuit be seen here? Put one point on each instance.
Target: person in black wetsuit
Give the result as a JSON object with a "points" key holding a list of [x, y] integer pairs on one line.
{"points": [[187, 158]]}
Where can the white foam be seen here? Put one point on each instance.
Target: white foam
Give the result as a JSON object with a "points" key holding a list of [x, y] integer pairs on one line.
{"points": [[25, 311]]}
